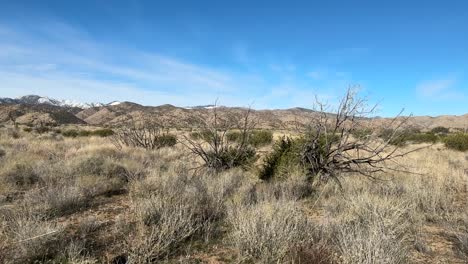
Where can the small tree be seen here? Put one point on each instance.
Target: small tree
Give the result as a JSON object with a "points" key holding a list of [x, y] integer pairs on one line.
{"points": [[145, 133], [212, 143], [330, 149]]}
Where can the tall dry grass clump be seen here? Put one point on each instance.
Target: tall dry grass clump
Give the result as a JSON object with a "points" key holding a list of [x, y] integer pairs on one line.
{"points": [[173, 208], [270, 232]]}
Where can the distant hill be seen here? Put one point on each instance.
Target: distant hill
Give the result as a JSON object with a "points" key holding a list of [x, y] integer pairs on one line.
{"points": [[34, 109]]}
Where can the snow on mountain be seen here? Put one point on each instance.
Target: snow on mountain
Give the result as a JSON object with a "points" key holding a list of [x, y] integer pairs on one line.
{"points": [[114, 103], [35, 99], [203, 107]]}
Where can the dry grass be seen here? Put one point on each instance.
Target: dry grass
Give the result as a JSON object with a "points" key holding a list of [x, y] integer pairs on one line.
{"points": [[84, 201], [270, 232]]}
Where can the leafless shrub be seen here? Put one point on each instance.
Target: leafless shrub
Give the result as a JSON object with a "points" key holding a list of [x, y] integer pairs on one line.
{"points": [[75, 253], [270, 232], [173, 209], [58, 200], [214, 147], [461, 235], [146, 133], [13, 133], [372, 229], [31, 239], [20, 173], [165, 220], [330, 148]]}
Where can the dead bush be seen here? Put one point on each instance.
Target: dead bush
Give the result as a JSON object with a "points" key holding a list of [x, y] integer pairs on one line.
{"points": [[215, 148], [31, 239], [59, 200], [146, 133], [21, 174], [330, 150]]}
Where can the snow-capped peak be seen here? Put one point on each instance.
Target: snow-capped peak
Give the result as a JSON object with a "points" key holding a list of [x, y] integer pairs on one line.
{"points": [[35, 99], [114, 103]]}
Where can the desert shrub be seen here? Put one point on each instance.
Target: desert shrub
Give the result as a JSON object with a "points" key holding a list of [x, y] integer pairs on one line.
{"points": [[147, 134], [294, 188], [373, 229], [84, 133], [41, 129], [32, 240], [405, 136], [261, 138], [285, 155], [201, 135], [393, 137], [70, 133], [421, 138], [166, 140], [2, 152], [13, 132], [461, 236], [330, 151], [59, 200], [362, 133], [170, 210], [215, 148], [231, 158], [106, 132], [440, 130], [458, 141], [270, 232], [100, 166], [21, 174], [256, 138]]}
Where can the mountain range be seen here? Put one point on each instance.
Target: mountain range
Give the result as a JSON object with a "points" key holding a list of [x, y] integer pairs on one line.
{"points": [[33, 109]]}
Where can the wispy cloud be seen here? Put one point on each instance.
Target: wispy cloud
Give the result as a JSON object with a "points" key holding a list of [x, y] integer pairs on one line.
{"points": [[439, 89]]}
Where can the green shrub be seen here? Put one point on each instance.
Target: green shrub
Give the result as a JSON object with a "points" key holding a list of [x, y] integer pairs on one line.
{"points": [[257, 138], [285, 154], [27, 129], [233, 136], [261, 138], [231, 158], [70, 133], [440, 130], [166, 140], [103, 132], [202, 135], [458, 141], [400, 138], [84, 133], [421, 138], [41, 129]]}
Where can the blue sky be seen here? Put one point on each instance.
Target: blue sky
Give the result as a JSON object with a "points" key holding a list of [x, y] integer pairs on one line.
{"points": [[270, 54]]}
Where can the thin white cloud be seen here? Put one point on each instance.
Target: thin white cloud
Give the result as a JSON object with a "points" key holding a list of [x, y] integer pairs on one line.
{"points": [[439, 89], [316, 75]]}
